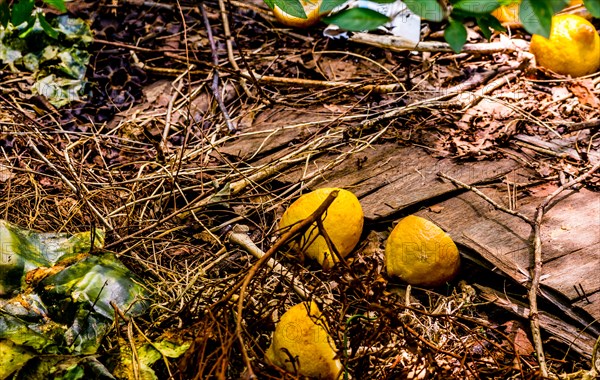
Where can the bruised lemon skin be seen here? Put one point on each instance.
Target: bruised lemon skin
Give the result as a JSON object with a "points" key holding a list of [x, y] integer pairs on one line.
{"points": [[312, 10], [420, 253], [572, 49], [343, 223], [508, 13], [302, 334]]}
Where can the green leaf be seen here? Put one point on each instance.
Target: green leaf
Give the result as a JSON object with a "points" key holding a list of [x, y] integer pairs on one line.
{"points": [[477, 6], [291, 7], [456, 35], [270, 3], [536, 16], [22, 12], [593, 6], [58, 4], [357, 19], [558, 5], [383, 1], [328, 5], [487, 23], [4, 13], [428, 9], [50, 31]]}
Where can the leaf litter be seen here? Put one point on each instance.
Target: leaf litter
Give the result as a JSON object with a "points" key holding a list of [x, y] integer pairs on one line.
{"points": [[169, 201]]}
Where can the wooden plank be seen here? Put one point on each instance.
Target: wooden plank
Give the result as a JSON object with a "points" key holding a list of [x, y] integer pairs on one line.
{"points": [[579, 269], [388, 178], [570, 237], [274, 129], [580, 341], [590, 304]]}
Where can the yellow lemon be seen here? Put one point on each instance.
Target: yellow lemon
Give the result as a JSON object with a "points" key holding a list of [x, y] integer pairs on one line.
{"points": [[311, 8], [343, 223], [507, 13], [573, 48], [301, 335], [420, 253]]}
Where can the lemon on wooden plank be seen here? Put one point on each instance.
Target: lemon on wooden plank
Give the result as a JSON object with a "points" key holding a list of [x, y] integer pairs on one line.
{"points": [[343, 223], [420, 253]]}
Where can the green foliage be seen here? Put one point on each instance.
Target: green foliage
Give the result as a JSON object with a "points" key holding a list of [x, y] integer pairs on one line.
{"points": [[329, 5], [535, 15], [593, 6], [357, 19], [428, 9], [24, 11], [291, 7], [455, 34], [54, 51]]}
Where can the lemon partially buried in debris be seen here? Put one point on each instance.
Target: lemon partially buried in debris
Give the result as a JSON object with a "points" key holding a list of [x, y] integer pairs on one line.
{"points": [[312, 9], [420, 253], [572, 49], [343, 223], [302, 345]]}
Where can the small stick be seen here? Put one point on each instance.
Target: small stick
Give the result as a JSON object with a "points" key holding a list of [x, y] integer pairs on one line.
{"points": [[402, 44], [229, 45], [70, 184], [240, 238], [537, 269], [215, 81], [163, 146], [488, 199]]}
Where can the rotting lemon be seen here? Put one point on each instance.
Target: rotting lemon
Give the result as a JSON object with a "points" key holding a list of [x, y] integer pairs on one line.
{"points": [[508, 13], [420, 253], [301, 336], [312, 8], [572, 49], [343, 223]]}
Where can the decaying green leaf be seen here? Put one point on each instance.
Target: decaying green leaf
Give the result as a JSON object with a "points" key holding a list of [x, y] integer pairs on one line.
{"points": [[56, 297], [60, 63], [147, 354]]}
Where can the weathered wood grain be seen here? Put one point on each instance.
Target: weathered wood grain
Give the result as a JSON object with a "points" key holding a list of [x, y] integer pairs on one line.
{"points": [[388, 178], [570, 238], [580, 341]]}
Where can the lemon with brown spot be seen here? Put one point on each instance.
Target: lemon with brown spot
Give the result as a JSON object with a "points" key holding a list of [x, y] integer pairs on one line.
{"points": [[302, 336], [420, 253], [343, 223], [312, 8], [572, 49]]}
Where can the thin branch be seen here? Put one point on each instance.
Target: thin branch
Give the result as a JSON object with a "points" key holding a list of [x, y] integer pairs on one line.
{"points": [[215, 82], [488, 199], [243, 240], [537, 268], [535, 224]]}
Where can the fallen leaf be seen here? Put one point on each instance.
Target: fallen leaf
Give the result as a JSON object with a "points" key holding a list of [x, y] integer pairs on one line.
{"points": [[5, 173], [437, 209], [583, 90]]}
